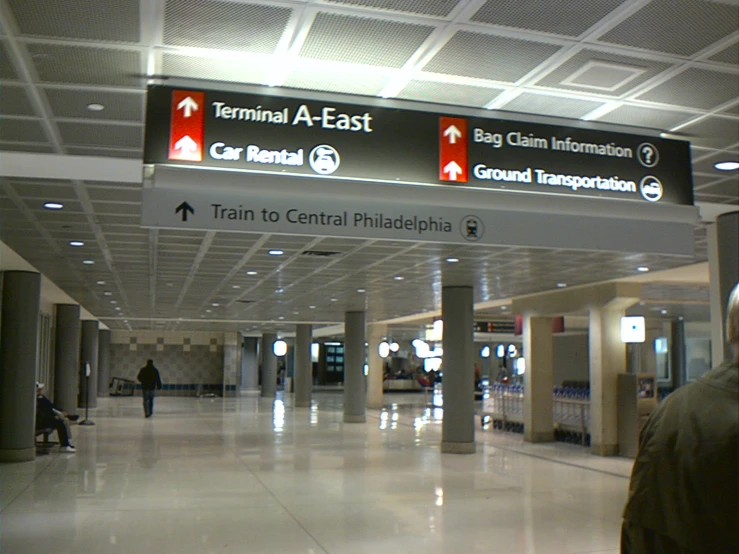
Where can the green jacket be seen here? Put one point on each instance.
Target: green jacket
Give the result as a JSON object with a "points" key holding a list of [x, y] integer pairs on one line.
{"points": [[685, 481]]}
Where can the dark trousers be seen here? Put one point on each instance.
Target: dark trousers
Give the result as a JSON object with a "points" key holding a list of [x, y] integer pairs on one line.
{"points": [[148, 401], [61, 431]]}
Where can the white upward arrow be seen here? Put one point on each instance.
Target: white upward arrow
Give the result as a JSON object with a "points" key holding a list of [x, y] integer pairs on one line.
{"points": [[453, 133], [186, 145], [453, 169], [187, 106]]}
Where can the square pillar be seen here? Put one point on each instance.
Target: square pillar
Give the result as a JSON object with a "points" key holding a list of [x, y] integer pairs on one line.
{"points": [[538, 379], [607, 360], [375, 372]]}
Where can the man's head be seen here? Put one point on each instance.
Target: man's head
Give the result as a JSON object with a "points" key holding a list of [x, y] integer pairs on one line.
{"points": [[39, 388], [732, 322]]}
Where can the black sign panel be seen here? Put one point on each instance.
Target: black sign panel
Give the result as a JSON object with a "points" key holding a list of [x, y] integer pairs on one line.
{"points": [[290, 136]]}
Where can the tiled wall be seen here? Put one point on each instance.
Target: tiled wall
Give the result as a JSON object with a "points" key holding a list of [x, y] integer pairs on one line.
{"points": [[186, 361]]}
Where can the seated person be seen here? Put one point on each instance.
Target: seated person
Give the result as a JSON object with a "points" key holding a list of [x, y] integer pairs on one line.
{"points": [[48, 416]]}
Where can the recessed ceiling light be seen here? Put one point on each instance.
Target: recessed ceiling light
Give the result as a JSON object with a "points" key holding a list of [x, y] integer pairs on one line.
{"points": [[95, 107], [114, 301], [251, 272], [215, 304], [280, 291], [561, 285], [208, 311], [504, 307], [398, 277], [101, 282], [108, 293], [235, 286], [76, 243], [275, 252], [53, 206], [642, 268], [118, 308], [361, 291], [312, 307], [663, 312], [88, 262], [281, 317], [452, 260], [726, 166]]}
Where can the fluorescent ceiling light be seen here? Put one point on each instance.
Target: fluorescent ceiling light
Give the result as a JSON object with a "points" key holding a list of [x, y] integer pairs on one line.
{"points": [[561, 285], [88, 262], [275, 252], [76, 243], [95, 107], [53, 206], [452, 260], [642, 268], [251, 272], [398, 277], [726, 166]]}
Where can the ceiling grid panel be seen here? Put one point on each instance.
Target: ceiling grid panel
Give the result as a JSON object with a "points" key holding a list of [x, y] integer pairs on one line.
{"points": [[202, 251], [28, 75], [239, 266], [94, 223], [601, 26], [277, 270]]}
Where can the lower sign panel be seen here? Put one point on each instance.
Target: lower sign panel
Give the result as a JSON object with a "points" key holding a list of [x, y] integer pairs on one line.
{"points": [[318, 215]]}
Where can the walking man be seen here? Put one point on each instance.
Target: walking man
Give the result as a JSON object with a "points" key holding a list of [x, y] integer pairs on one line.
{"points": [[150, 382]]}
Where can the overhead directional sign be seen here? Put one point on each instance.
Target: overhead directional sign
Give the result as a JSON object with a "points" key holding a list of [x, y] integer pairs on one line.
{"points": [[453, 149], [234, 210], [272, 134]]}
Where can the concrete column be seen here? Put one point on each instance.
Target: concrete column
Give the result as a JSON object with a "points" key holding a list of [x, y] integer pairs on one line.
{"points": [[677, 353], [538, 379], [269, 365], [458, 425], [303, 380], [103, 363], [249, 365], [723, 267], [607, 360], [89, 354], [354, 397], [21, 298], [648, 354], [375, 371], [67, 357]]}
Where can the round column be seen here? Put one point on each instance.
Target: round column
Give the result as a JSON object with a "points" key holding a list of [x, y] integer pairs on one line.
{"points": [[21, 299], [354, 401], [458, 383], [303, 366], [103, 388], [269, 365], [89, 354], [67, 356]]}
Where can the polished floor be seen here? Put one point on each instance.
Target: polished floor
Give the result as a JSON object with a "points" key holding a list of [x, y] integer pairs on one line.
{"points": [[247, 475]]}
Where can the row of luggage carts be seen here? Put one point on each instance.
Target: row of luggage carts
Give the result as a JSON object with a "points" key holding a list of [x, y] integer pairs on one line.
{"points": [[503, 405]]}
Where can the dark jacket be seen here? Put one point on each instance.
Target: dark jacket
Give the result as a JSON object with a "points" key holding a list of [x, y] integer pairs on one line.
{"points": [[685, 481], [149, 378], [45, 416]]}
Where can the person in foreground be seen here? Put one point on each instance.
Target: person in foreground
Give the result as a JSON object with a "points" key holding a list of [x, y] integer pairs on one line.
{"points": [[150, 382], [49, 417], [684, 491]]}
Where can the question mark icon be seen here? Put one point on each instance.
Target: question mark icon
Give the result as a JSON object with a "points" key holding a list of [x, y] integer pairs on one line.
{"points": [[648, 154]]}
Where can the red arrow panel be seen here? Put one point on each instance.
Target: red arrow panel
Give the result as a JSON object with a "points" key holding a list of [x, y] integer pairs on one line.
{"points": [[187, 127], [453, 149]]}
